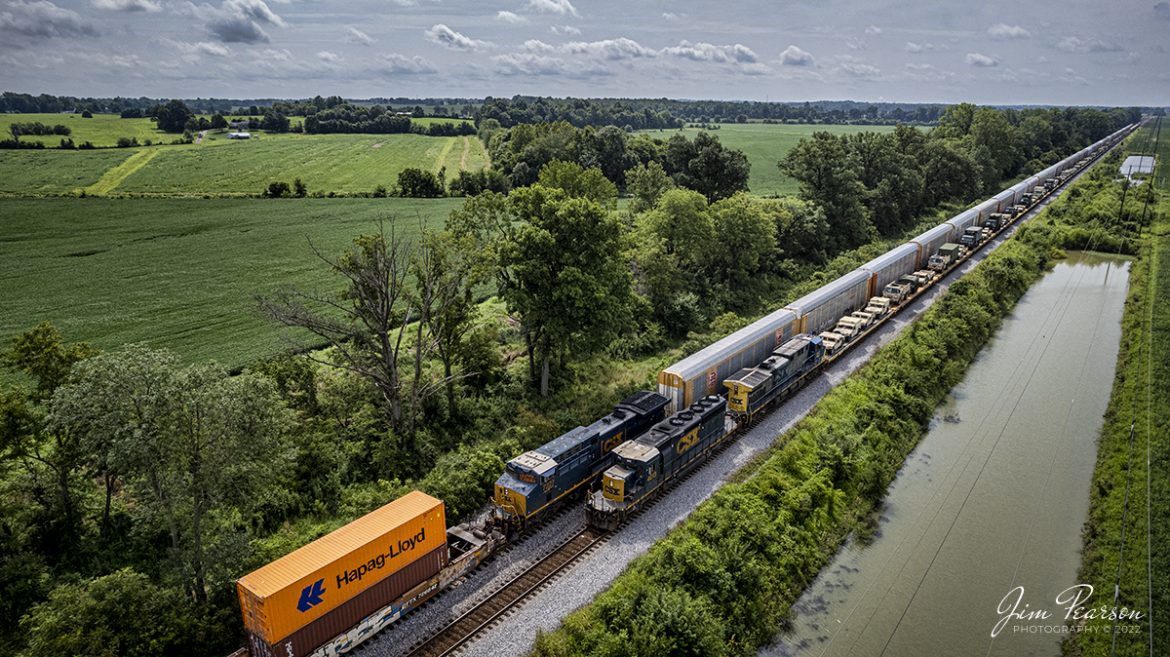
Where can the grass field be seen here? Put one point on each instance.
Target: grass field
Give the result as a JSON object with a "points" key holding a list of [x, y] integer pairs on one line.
{"points": [[219, 166], [766, 144], [35, 173], [102, 129], [339, 163], [177, 273]]}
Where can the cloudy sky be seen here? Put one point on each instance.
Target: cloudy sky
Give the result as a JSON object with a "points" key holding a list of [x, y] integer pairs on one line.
{"points": [[1111, 52]]}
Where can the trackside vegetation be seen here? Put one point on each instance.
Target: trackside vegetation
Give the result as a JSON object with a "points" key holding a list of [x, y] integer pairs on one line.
{"points": [[1138, 403], [723, 582]]}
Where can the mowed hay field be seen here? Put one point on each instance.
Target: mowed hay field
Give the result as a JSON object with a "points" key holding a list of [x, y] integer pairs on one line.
{"points": [[344, 164], [101, 130], [178, 273], [55, 172], [765, 144], [329, 163]]}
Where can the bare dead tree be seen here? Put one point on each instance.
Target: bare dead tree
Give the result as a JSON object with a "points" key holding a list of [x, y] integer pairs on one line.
{"points": [[366, 323]]}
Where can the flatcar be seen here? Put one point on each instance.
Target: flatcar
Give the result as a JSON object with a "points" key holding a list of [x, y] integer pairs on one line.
{"points": [[641, 466], [538, 479]]}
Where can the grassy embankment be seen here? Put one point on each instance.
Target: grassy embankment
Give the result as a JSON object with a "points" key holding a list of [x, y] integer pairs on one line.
{"points": [[723, 582], [1139, 400], [765, 144]]}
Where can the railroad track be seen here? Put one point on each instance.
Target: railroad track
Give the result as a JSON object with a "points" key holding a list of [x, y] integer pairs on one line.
{"points": [[493, 609]]}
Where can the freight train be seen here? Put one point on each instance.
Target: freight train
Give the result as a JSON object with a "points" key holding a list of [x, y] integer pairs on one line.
{"points": [[327, 597]]}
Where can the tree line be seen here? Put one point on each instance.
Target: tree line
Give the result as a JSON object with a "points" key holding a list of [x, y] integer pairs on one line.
{"points": [[378, 119], [665, 113], [702, 163], [871, 183]]}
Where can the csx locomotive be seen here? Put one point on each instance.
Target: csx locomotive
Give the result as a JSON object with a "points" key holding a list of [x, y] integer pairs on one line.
{"points": [[538, 479]]}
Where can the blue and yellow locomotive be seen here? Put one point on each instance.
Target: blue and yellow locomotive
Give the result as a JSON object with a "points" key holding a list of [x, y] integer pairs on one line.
{"points": [[641, 466], [752, 389], [537, 479]]}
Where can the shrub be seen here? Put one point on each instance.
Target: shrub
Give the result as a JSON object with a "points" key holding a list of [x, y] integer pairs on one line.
{"points": [[277, 189]]}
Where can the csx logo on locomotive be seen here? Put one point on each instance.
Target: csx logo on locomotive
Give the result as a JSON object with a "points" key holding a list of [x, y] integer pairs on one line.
{"points": [[687, 442]]}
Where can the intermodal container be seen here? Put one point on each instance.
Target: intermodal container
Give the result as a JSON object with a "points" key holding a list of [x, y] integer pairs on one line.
{"points": [[420, 575], [312, 582]]}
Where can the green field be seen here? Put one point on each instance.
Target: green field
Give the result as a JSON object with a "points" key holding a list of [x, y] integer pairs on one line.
{"points": [[54, 172], [345, 164], [339, 163], [102, 129], [765, 144], [176, 273]]}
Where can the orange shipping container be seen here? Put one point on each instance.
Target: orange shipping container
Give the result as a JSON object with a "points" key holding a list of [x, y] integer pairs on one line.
{"points": [[306, 584]]}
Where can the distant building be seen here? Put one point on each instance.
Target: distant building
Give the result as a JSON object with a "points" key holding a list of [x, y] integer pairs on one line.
{"points": [[238, 125], [239, 135]]}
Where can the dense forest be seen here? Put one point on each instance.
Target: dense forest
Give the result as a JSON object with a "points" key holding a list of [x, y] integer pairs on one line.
{"points": [[133, 485]]}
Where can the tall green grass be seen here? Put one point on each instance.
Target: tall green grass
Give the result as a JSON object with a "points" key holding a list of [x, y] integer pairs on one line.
{"points": [[177, 273]]}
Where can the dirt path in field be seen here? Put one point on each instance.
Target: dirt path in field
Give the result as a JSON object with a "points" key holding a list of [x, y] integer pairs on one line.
{"points": [[115, 176], [441, 160], [463, 157]]}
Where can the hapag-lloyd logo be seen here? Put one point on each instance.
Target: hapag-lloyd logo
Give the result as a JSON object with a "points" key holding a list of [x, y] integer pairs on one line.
{"points": [[1072, 607]]}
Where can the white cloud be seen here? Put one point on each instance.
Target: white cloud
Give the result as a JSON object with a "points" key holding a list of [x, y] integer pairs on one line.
{"points": [[41, 18], [529, 64], [538, 46], [559, 7], [394, 64], [795, 56], [237, 21], [980, 60], [927, 72], [128, 5], [509, 17], [1092, 44], [329, 57], [707, 52], [354, 35], [445, 36], [564, 29], [612, 49], [1005, 31], [202, 48], [860, 70], [873, 29], [671, 16], [917, 48]]}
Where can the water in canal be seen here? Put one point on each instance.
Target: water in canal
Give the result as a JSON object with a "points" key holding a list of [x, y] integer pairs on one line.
{"points": [[992, 499]]}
